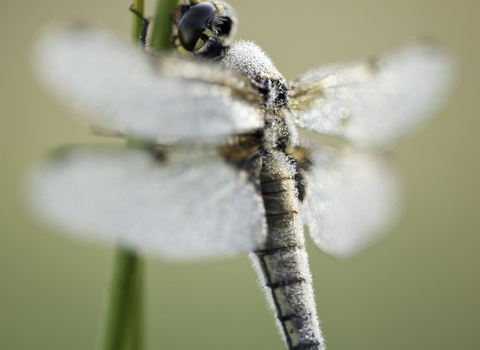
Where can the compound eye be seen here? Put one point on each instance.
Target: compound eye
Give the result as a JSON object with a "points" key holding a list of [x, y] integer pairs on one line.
{"points": [[193, 29]]}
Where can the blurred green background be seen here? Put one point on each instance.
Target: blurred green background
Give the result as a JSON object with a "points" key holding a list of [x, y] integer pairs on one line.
{"points": [[419, 288]]}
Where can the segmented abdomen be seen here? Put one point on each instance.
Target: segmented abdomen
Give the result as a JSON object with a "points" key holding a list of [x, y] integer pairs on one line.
{"points": [[282, 262]]}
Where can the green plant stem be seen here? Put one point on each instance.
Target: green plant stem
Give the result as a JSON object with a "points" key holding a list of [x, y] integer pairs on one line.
{"points": [[122, 327], [161, 27], [122, 318], [114, 329], [136, 309]]}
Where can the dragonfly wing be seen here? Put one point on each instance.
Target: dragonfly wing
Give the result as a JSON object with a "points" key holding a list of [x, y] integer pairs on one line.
{"points": [[179, 206], [351, 198], [374, 103], [141, 94]]}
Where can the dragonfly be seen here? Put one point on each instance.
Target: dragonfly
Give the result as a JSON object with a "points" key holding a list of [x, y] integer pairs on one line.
{"points": [[233, 158]]}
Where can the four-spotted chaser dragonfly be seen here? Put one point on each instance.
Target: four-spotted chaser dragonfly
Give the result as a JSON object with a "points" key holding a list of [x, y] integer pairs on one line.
{"points": [[232, 159]]}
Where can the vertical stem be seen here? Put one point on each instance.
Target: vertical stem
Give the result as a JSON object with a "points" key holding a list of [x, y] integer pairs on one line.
{"points": [[124, 289], [161, 27], [136, 309], [122, 325], [114, 329], [136, 288]]}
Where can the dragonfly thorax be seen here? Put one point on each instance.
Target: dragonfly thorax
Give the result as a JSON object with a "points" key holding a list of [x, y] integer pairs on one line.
{"points": [[250, 60]]}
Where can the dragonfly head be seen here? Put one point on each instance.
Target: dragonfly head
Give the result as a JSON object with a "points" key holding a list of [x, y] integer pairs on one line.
{"points": [[203, 28]]}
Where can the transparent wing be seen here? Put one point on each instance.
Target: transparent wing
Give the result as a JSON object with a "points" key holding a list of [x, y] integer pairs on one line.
{"points": [[351, 198], [374, 103], [144, 95], [179, 206]]}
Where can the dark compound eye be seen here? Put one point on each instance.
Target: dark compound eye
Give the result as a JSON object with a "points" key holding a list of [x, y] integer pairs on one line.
{"points": [[193, 28]]}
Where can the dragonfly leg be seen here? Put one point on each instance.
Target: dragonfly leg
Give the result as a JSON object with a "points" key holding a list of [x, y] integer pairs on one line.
{"points": [[146, 22]]}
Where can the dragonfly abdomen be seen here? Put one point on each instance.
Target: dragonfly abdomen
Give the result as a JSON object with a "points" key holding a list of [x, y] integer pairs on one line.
{"points": [[282, 262]]}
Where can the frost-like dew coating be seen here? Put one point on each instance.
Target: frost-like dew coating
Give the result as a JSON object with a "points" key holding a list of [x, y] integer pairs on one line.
{"points": [[139, 94], [374, 103], [174, 208], [351, 198]]}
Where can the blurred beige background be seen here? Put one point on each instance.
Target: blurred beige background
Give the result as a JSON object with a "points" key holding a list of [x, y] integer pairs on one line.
{"points": [[419, 288]]}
